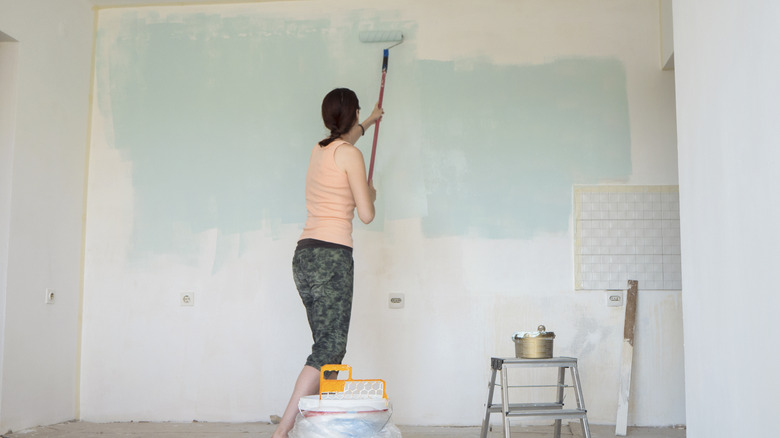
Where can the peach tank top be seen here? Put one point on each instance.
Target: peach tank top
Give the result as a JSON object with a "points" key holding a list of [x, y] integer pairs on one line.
{"points": [[330, 205]]}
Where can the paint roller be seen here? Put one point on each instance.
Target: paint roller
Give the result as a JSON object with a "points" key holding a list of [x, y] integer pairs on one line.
{"points": [[380, 37]]}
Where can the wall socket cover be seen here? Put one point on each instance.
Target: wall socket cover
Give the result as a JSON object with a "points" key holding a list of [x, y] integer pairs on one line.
{"points": [[615, 299], [396, 301], [50, 295], [187, 299]]}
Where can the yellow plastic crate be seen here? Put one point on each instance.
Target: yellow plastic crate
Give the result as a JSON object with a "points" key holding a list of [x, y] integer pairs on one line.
{"points": [[349, 389]]}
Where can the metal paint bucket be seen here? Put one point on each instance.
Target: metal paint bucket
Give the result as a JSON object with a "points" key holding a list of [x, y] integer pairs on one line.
{"points": [[534, 345]]}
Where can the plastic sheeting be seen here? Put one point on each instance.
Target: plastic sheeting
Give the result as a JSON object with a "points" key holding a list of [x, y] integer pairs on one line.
{"points": [[367, 424]]}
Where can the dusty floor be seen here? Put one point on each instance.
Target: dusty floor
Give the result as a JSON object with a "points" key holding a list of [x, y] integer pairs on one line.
{"points": [[263, 430]]}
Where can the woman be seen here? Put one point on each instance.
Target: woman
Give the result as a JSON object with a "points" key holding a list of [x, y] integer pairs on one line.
{"points": [[322, 265]]}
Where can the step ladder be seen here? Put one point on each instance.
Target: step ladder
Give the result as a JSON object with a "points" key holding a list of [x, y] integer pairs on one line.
{"points": [[554, 410]]}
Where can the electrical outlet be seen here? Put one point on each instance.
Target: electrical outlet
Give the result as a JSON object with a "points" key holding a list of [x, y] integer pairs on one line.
{"points": [[187, 299], [615, 299], [50, 296], [396, 301]]}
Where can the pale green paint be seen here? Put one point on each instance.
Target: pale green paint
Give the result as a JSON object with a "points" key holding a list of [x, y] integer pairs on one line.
{"points": [[218, 116], [504, 144]]}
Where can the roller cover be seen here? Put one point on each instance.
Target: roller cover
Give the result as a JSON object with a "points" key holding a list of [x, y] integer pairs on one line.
{"points": [[381, 36]]}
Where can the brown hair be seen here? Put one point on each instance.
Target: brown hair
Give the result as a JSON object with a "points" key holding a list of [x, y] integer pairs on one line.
{"points": [[339, 113]]}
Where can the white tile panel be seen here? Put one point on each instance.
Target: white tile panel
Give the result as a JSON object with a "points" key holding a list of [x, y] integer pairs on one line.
{"points": [[627, 232]]}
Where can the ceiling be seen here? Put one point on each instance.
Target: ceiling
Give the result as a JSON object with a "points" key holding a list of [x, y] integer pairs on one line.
{"points": [[114, 3]]}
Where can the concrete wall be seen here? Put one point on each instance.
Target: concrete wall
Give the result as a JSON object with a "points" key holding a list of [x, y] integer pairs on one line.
{"points": [[41, 196], [727, 88], [203, 120]]}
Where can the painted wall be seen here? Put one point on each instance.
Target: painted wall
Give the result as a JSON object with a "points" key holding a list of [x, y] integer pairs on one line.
{"points": [[9, 56], [42, 193], [204, 117], [667, 34], [727, 87]]}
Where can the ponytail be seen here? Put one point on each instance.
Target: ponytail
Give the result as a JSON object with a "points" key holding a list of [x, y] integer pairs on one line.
{"points": [[339, 113]]}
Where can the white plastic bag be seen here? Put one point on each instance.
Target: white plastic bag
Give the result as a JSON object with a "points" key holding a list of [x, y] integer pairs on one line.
{"points": [[371, 424]]}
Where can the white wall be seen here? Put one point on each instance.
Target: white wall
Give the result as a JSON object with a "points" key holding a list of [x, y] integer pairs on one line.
{"points": [[9, 54], [727, 69], [42, 228], [667, 35], [235, 354]]}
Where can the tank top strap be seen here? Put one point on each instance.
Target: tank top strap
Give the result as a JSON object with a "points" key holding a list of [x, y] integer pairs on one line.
{"points": [[335, 144], [333, 147]]}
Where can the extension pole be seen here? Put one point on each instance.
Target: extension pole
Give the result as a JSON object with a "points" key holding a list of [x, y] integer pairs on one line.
{"points": [[376, 126]]}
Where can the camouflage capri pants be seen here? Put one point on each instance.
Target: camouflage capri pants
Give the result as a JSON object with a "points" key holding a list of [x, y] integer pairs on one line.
{"points": [[324, 277]]}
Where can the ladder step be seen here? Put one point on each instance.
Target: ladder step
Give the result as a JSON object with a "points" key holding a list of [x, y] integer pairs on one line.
{"points": [[555, 413], [527, 406]]}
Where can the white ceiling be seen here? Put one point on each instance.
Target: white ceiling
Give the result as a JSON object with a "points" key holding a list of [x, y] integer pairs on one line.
{"points": [[109, 3]]}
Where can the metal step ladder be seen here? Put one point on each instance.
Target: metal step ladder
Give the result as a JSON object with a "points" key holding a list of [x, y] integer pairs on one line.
{"points": [[554, 410]]}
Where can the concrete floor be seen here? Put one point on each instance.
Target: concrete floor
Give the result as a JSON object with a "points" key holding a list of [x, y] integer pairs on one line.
{"points": [[264, 430]]}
